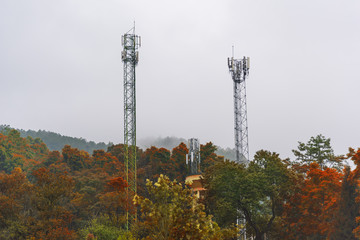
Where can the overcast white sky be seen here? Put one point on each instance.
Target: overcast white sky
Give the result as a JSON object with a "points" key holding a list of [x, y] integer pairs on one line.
{"points": [[61, 70]]}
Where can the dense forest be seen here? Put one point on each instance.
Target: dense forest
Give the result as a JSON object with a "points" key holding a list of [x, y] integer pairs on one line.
{"points": [[71, 194]]}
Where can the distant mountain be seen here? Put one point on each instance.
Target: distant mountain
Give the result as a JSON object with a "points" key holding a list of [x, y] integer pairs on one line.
{"points": [[56, 141]]}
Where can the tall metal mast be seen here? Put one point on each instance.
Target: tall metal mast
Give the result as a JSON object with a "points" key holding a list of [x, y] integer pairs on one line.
{"points": [[239, 69], [193, 157], [130, 57]]}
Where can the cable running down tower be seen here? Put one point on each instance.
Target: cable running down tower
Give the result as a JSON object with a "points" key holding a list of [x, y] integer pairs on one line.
{"points": [[239, 69], [130, 58]]}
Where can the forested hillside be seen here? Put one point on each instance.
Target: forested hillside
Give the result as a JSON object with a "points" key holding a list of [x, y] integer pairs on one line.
{"points": [[71, 194], [56, 141]]}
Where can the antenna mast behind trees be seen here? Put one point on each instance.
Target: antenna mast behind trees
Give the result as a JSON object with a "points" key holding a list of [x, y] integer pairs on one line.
{"points": [[130, 57], [239, 69]]}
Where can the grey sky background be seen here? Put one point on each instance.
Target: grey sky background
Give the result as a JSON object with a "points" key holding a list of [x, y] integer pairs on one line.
{"points": [[61, 70]]}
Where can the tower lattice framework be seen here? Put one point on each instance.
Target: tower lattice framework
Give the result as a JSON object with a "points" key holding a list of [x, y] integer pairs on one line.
{"points": [[239, 69], [193, 157], [130, 58]]}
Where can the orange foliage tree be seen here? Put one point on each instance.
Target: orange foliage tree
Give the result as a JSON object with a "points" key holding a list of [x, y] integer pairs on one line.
{"points": [[155, 161], [310, 211], [53, 193], [112, 200], [15, 210], [178, 156], [76, 159]]}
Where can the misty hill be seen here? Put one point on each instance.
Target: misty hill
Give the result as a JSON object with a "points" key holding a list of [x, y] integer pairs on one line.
{"points": [[160, 142], [56, 141], [228, 153], [171, 142]]}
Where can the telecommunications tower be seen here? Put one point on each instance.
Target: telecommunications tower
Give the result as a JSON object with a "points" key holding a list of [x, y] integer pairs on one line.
{"points": [[130, 57], [193, 177], [193, 158], [239, 69]]}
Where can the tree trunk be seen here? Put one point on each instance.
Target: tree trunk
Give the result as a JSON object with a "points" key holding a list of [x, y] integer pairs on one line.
{"points": [[259, 235]]}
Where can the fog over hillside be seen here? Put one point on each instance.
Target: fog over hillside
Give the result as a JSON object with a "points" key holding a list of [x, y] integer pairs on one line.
{"points": [[164, 142], [56, 141], [171, 142]]}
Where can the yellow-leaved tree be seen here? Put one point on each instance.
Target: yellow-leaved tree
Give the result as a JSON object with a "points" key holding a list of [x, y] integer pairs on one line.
{"points": [[172, 212]]}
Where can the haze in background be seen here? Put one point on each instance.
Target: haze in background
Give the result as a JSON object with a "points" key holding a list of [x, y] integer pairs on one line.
{"points": [[61, 69]]}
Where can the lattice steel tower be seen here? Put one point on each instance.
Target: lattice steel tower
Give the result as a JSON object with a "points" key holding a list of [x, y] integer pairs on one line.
{"points": [[130, 57], [193, 157], [239, 69]]}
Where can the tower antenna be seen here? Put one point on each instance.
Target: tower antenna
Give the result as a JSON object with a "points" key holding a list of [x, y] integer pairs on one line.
{"points": [[130, 58], [239, 69]]}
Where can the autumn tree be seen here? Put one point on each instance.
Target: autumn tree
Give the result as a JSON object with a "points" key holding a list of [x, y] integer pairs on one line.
{"points": [[76, 159], [117, 151], [309, 212], [52, 158], [53, 194], [178, 156], [15, 207], [156, 161], [112, 200], [91, 181], [172, 212], [208, 156], [107, 162], [107, 223], [256, 193]]}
